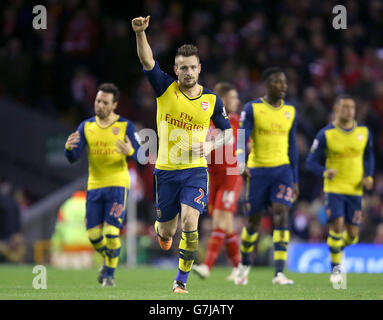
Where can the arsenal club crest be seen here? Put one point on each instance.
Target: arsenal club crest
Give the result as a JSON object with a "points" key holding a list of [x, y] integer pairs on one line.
{"points": [[116, 130], [360, 136], [204, 105], [287, 115], [158, 211]]}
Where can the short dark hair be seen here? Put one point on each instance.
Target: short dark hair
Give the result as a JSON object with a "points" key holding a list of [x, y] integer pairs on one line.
{"points": [[342, 97], [187, 50], [222, 88], [110, 88], [269, 71]]}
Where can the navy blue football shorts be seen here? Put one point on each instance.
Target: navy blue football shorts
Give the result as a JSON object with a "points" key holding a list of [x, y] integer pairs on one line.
{"points": [[341, 205], [268, 185], [173, 187], [106, 205]]}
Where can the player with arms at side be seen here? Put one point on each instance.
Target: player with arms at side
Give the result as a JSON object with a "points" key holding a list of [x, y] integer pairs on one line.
{"points": [[181, 178], [342, 154], [109, 140], [271, 171], [225, 188]]}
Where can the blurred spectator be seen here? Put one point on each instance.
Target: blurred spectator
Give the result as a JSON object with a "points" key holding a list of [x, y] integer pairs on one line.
{"points": [[13, 250], [228, 38], [15, 67], [10, 213], [172, 23], [84, 89], [374, 208], [312, 109], [12, 247], [378, 188], [316, 232], [81, 35], [70, 243], [70, 226], [22, 198], [379, 234], [301, 220]]}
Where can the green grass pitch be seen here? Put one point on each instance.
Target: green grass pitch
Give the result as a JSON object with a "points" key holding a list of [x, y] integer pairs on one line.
{"points": [[149, 283]]}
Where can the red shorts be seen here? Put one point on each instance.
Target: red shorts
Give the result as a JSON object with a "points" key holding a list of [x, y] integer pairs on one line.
{"points": [[224, 192]]}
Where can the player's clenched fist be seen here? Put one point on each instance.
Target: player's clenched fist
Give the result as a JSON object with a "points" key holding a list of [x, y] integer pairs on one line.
{"points": [[140, 24], [73, 140]]}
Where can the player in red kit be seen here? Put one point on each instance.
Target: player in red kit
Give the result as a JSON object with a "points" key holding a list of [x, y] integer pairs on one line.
{"points": [[225, 188]]}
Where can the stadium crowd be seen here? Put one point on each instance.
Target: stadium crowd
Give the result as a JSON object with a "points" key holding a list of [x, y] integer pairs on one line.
{"points": [[56, 72]]}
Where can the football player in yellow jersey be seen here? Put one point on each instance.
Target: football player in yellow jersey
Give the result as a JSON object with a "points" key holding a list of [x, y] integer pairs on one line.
{"points": [[342, 154], [271, 170], [181, 178], [109, 140]]}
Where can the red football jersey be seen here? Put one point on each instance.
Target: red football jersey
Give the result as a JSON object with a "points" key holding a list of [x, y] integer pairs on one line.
{"points": [[224, 157]]}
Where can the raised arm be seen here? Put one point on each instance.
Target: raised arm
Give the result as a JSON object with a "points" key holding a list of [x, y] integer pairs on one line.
{"points": [[144, 51]]}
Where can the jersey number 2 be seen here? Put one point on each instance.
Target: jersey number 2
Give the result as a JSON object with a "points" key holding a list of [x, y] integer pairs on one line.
{"points": [[198, 199]]}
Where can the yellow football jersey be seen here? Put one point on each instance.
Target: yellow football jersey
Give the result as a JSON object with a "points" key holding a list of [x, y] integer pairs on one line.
{"points": [[183, 121], [107, 167], [272, 132], [347, 151]]}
